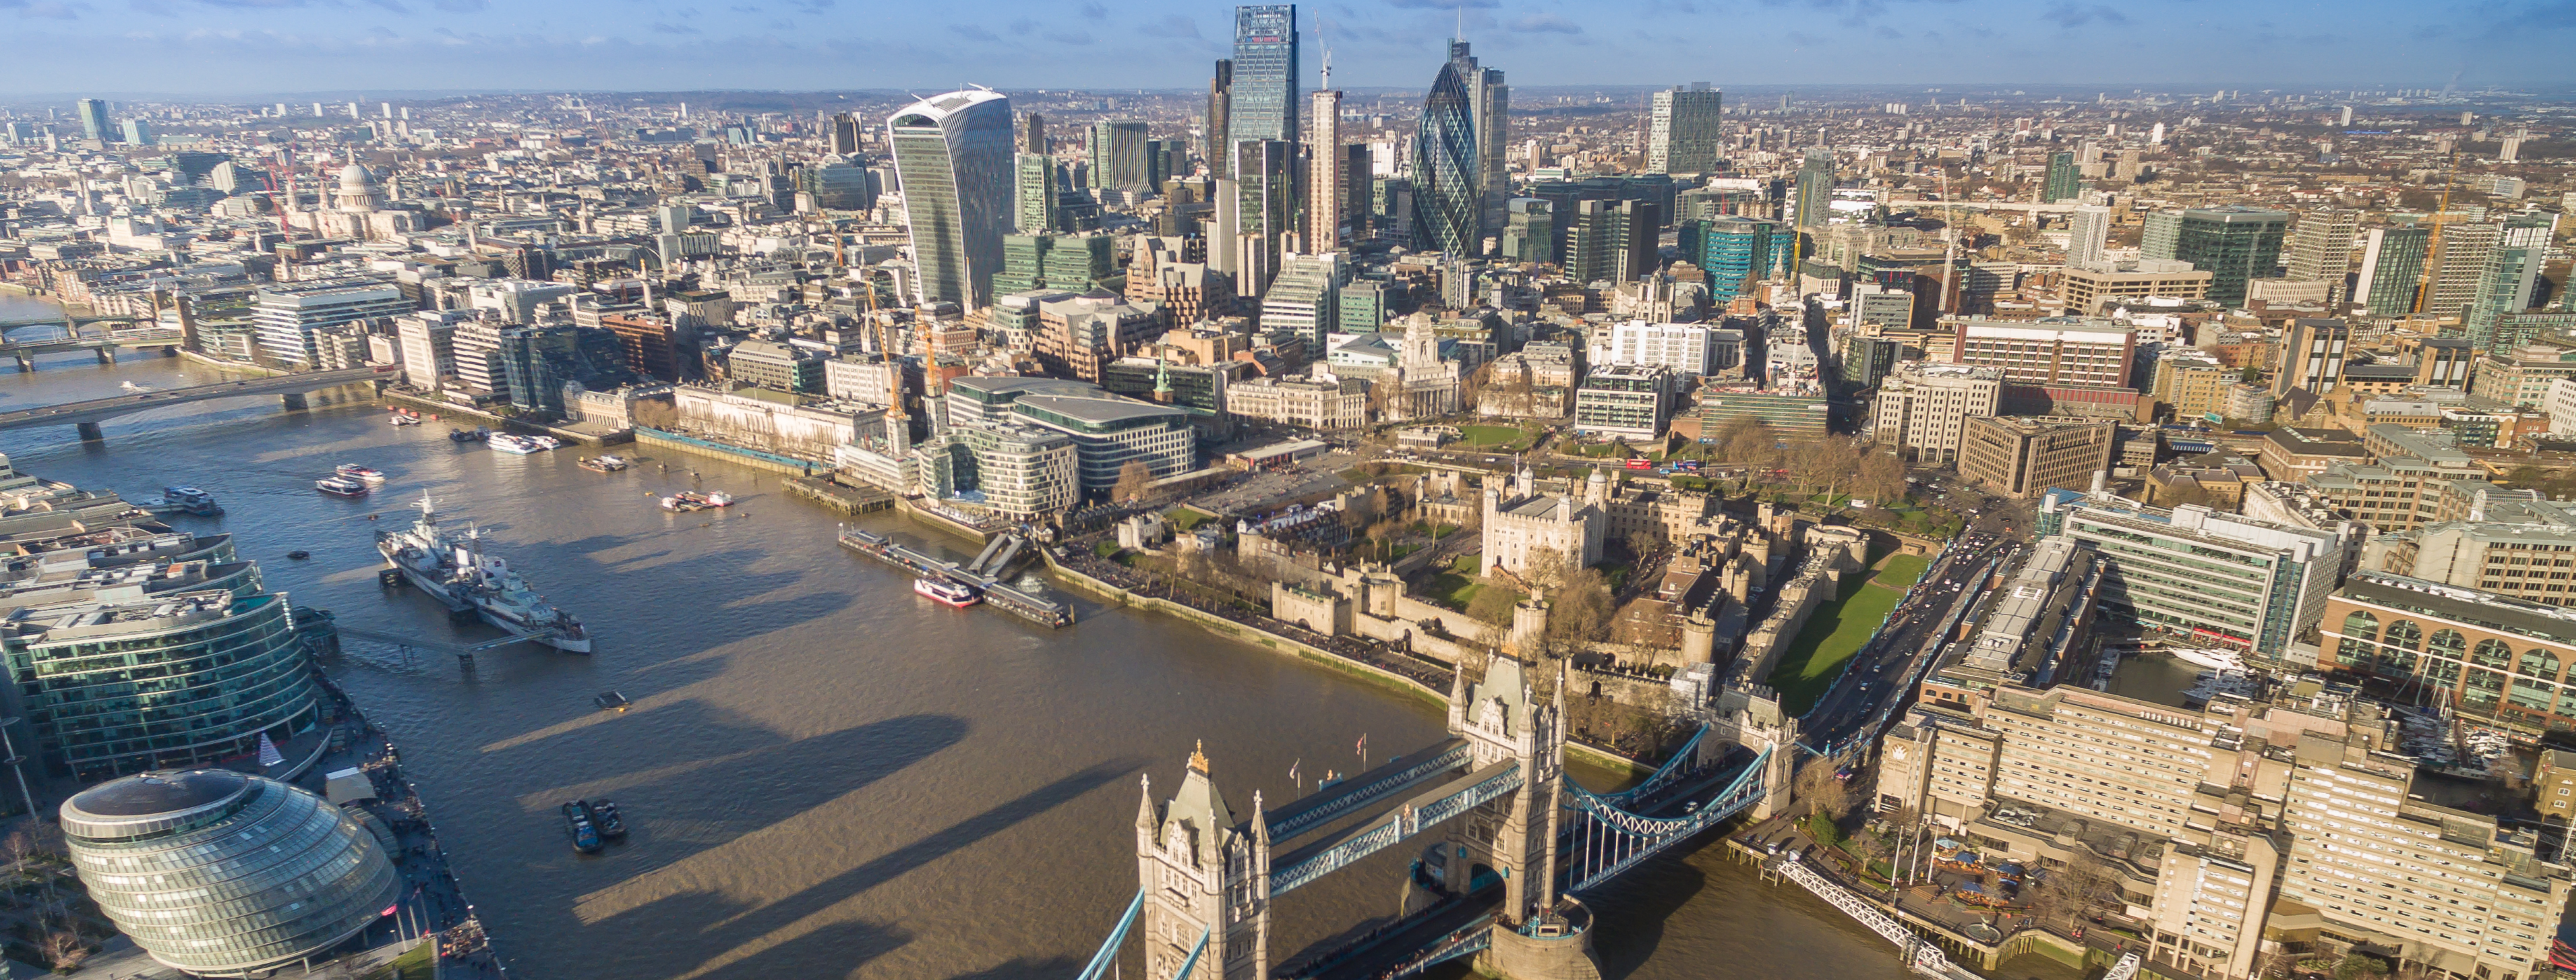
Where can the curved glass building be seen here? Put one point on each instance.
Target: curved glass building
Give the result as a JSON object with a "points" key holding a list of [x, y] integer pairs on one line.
{"points": [[953, 155], [223, 874], [158, 681], [1446, 204]]}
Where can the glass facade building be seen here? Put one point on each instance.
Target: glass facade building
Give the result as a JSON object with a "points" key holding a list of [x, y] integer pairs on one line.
{"points": [[2512, 276], [953, 157], [1262, 92], [2392, 269], [1733, 251], [1815, 189], [2216, 578], [115, 687], [223, 874], [2062, 181], [2233, 245], [1118, 160], [1034, 190], [1682, 137], [1447, 207]]}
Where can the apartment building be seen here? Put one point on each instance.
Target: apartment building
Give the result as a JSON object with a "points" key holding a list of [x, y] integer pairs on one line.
{"points": [[2049, 353], [2193, 383], [2371, 864], [2235, 830]]}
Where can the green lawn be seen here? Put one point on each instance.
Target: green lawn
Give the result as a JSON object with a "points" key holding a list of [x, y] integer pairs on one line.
{"points": [[413, 964], [1185, 519], [1482, 436], [1456, 585], [1838, 629]]}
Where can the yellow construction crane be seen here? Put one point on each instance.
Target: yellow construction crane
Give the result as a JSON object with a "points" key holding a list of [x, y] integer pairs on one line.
{"points": [[885, 349], [2433, 251]]}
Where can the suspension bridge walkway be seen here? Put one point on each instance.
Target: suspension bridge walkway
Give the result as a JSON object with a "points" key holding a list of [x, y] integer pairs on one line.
{"points": [[1509, 846]]}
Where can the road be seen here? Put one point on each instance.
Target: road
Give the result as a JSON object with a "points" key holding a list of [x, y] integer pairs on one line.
{"points": [[1880, 670]]}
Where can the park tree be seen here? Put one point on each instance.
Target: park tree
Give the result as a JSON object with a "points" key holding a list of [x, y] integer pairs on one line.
{"points": [[1880, 476], [1748, 441]]}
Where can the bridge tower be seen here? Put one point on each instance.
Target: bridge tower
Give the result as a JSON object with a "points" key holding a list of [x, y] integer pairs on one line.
{"points": [[1202, 877], [1514, 834]]}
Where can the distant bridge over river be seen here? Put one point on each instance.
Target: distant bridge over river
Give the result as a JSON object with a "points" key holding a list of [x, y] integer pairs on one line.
{"points": [[291, 389]]}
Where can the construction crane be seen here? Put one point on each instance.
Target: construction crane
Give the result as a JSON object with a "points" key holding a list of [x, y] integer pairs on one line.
{"points": [[2433, 251], [894, 368], [286, 192]]}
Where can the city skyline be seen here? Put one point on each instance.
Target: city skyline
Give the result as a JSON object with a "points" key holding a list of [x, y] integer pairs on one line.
{"points": [[267, 47]]}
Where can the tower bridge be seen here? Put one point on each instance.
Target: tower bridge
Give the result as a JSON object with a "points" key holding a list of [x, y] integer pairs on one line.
{"points": [[1512, 844]]}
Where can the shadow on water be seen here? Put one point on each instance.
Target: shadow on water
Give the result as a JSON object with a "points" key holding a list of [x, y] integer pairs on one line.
{"points": [[1028, 968], [1632, 912], [715, 922], [845, 945], [727, 780]]}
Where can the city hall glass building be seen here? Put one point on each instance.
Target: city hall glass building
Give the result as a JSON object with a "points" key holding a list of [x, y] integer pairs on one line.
{"points": [[223, 874]]}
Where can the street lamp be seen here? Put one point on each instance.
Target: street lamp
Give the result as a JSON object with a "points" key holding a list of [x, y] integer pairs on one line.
{"points": [[10, 746]]}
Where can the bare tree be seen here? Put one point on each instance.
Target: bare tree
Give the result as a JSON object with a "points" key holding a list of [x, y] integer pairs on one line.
{"points": [[1580, 610], [1494, 601], [1382, 532], [655, 413], [2071, 890], [1641, 543], [1748, 441], [1133, 479], [64, 949], [1546, 567], [1820, 791], [1881, 475]]}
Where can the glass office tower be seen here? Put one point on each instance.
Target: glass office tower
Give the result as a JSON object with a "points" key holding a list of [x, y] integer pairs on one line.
{"points": [[952, 154], [1684, 133], [1447, 205], [2233, 244], [1262, 96]]}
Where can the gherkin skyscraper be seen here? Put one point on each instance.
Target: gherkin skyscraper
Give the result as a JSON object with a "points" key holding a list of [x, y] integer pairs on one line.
{"points": [[1446, 200]]}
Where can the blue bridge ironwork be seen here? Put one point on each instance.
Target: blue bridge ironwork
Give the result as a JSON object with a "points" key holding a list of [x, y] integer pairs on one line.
{"points": [[1545, 839]]}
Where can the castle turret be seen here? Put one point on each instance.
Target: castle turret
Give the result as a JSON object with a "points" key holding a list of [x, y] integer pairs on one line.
{"points": [[1699, 639]]}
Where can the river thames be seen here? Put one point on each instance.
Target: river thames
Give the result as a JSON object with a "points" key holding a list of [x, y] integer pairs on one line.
{"points": [[825, 774]]}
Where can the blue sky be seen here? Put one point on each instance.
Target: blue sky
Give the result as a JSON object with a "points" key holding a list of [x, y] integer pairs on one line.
{"points": [[284, 46]]}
